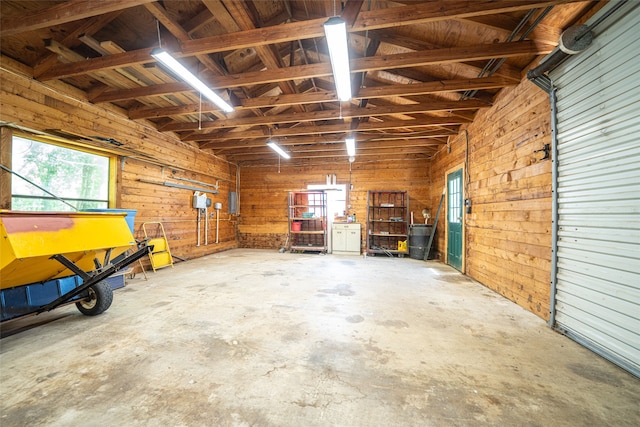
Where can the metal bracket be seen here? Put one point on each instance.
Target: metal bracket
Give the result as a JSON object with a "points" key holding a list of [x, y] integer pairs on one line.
{"points": [[546, 149]]}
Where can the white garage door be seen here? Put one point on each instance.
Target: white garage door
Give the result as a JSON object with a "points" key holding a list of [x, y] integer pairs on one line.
{"points": [[598, 132]]}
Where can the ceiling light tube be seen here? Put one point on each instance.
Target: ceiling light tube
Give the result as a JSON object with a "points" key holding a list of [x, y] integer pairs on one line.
{"points": [[351, 146], [275, 147], [335, 30], [179, 69]]}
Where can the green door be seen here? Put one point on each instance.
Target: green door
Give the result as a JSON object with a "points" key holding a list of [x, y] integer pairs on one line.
{"points": [[454, 219]]}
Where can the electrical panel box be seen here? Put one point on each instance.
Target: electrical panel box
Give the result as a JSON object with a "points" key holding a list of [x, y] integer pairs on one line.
{"points": [[199, 200], [232, 205]]}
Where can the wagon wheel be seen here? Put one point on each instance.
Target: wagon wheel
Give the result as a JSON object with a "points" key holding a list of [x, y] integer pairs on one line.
{"points": [[98, 300]]}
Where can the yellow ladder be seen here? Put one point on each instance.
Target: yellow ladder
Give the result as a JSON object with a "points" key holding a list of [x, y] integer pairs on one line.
{"points": [[160, 256]]}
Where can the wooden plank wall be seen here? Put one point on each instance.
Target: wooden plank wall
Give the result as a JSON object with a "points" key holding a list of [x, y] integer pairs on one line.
{"points": [[173, 208], [508, 233], [264, 192], [34, 105]]}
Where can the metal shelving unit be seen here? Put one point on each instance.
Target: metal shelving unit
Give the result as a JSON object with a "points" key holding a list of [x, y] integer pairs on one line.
{"points": [[308, 221], [387, 223]]}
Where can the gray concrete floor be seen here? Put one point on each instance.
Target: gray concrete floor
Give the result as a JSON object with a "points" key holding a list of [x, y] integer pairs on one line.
{"points": [[260, 338]]}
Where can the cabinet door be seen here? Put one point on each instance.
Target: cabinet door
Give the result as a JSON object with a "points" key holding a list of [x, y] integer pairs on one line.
{"points": [[339, 240], [353, 240]]}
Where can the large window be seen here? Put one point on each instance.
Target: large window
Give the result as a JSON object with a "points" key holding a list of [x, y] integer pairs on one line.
{"points": [[79, 178]]}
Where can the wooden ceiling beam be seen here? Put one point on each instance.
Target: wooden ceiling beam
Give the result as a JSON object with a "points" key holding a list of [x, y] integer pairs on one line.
{"points": [[199, 21], [161, 14], [221, 43], [70, 56], [146, 75], [351, 11], [258, 102], [452, 54], [435, 87], [261, 161], [267, 53], [363, 146], [400, 60], [337, 151], [422, 137], [347, 113], [375, 19], [85, 27], [430, 122], [229, 144], [388, 36], [68, 11], [441, 86], [506, 24], [434, 11]]}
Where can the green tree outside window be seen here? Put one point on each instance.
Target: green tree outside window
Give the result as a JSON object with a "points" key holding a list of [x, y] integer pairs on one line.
{"points": [[78, 177]]}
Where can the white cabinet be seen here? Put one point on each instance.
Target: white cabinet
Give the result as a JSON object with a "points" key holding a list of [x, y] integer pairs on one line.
{"points": [[345, 239]]}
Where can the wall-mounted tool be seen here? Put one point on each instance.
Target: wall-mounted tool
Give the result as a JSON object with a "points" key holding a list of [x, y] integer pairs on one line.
{"points": [[546, 149]]}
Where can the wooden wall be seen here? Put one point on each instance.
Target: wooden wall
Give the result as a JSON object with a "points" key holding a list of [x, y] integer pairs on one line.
{"points": [[26, 103], [264, 192], [508, 233]]}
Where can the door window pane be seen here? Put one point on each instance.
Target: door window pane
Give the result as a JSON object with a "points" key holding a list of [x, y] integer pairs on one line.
{"points": [[455, 208]]}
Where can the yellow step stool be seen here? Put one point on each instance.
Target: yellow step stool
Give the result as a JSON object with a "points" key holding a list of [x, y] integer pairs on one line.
{"points": [[160, 256]]}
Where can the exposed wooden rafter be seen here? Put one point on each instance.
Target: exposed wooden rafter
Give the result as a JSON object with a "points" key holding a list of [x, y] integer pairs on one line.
{"points": [[420, 70], [301, 30], [386, 62]]}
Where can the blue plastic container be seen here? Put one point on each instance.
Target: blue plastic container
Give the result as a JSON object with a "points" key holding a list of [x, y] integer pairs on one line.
{"points": [[21, 300], [131, 215]]}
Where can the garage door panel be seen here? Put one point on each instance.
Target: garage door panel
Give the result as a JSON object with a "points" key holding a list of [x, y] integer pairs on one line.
{"points": [[617, 299], [605, 223], [597, 283], [611, 208], [576, 282], [597, 264], [598, 133], [602, 194], [615, 83], [628, 251], [579, 326], [618, 159]]}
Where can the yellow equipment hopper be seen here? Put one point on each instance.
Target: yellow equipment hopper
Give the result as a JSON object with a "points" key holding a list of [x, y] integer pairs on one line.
{"points": [[38, 247]]}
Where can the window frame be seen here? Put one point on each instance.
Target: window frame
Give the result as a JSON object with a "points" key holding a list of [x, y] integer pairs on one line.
{"points": [[59, 142]]}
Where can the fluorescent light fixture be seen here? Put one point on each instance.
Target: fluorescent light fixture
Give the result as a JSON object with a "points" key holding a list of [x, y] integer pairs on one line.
{"points": [[351, 146], [335, 30], [179, 69], [275, 147]]}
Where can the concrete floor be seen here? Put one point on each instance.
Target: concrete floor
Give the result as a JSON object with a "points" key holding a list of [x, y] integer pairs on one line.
{"points": [[260, 338]]}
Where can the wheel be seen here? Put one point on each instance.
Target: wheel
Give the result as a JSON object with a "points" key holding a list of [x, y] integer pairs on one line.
{"points": [[98, 300]]}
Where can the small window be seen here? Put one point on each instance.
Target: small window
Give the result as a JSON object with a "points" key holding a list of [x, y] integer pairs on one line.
{"points": [[79, 178], [336, 198]]}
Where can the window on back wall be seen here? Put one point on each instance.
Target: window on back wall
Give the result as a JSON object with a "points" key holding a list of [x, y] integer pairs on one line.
{"points": [[79, 178], [336, 198]]}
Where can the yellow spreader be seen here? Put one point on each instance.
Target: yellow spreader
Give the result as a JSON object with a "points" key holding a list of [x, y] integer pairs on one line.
{"points": [[41, 253], [29, 239]]}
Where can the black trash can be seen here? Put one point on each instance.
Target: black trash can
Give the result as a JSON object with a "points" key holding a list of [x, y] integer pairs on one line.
{"points": [[418, 239]]}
